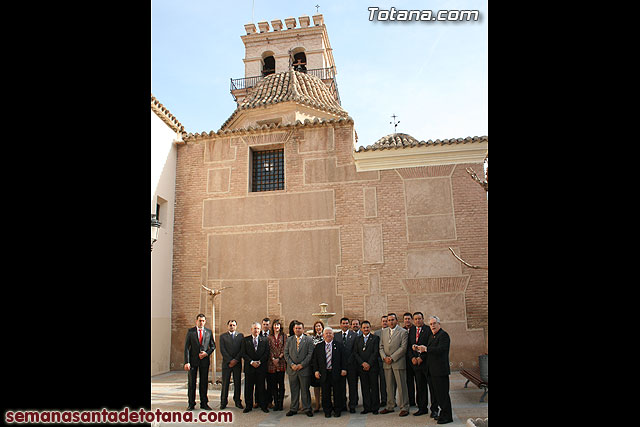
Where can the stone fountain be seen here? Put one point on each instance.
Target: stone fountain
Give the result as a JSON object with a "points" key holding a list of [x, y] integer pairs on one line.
{"points": [[324, 315]]}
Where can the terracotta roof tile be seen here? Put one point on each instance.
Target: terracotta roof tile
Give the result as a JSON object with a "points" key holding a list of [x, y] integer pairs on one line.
{"points": [[165, 115], [291, 86], [402, 140]]}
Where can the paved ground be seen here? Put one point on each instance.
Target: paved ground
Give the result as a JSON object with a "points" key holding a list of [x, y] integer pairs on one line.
{"points": [[169, 393]]}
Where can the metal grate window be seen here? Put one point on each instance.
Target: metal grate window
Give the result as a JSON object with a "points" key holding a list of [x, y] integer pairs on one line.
{"points": [[268, 170]]}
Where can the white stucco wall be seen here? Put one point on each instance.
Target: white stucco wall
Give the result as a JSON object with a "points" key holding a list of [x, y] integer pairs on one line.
{"points": [[163, 178]]}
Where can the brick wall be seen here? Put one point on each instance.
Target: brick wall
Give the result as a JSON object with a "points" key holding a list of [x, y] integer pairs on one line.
{"points": [[360, 236]]}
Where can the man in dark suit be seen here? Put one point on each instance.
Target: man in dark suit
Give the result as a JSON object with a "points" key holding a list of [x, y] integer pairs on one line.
{"points": [[327, 364], [347, 338], [255, 352], [231, 349], [198, 346], [411, 380], [438, 370], [418, 335], [367, 352], [264, 332], [381, 380]]}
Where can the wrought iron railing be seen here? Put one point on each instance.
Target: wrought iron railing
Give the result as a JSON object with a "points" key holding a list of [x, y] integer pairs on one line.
{"points": [[321, 73]]}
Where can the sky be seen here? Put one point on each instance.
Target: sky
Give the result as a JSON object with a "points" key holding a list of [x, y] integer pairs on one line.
{"points": [[431, 75]]}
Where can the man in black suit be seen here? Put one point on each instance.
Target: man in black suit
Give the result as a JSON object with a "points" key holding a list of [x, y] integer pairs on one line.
{"points": [[255, 352], [327, 364], [411, 380], [438, 370], [418, 335], [264, 332], [198, 346], [367, 352], [347, 338], [231, 349]]}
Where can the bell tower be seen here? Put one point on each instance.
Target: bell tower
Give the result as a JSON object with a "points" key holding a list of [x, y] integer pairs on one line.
{"points": [[276, 48]]}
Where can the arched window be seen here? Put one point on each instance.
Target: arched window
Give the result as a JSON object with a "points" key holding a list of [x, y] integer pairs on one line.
{"points": [[300, 62], [268, 64]]}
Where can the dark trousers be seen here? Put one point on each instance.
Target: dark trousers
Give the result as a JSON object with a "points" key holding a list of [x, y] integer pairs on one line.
{"points": [[203, 370], [439, 387], [275, 386], [382, 382], [267, 391], [333, 386], [226, 378], [369, 387], [422, 392], [352, 381], [411, 383], [254, 383]]}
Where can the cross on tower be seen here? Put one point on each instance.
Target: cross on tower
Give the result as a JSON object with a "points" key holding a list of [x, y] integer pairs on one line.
{"points": [[394, 123], [317, 7]]}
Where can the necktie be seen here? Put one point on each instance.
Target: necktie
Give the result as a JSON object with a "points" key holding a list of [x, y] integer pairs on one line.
{"points": [[390, 334], [297, 343], [365, 339], [417, 334], [255, 343], [344, 338], [327, 347], [200, 336]]}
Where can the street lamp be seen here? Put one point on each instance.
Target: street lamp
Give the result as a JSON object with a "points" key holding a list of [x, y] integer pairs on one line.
{"points": [[155, 229]]}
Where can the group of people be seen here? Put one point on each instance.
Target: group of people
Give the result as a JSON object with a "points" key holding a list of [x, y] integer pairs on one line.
{"points": [[412, 360]]}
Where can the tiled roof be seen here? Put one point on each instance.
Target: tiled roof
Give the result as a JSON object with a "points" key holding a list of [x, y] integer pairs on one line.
{"points": [[166, 116], [272, 126], [290, 86], [402, 140]]}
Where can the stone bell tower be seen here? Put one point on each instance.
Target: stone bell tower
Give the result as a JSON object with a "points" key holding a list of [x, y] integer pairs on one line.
{"points": [[272, 49]]}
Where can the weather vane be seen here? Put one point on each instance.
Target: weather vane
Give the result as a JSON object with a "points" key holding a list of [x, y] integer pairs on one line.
{"points": [[394, 123], [317, 7]]}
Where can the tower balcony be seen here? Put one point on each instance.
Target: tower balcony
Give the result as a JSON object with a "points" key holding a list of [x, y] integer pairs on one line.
{"points": [[240, 87]]}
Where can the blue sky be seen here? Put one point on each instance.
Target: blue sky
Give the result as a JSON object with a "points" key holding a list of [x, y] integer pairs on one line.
{"points": [[432, 75]]}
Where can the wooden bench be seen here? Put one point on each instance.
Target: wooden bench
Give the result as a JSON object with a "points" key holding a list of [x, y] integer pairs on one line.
{"points": [[473, 375]]}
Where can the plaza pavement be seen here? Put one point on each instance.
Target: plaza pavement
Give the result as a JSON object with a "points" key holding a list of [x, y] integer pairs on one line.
{"points": [[169, 393]]}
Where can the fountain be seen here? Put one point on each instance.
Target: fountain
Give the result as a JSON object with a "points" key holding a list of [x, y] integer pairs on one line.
{"points": [[323, 315]]}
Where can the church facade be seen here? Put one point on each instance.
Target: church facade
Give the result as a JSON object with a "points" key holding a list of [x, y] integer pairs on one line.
{"points": [[280, 209]]}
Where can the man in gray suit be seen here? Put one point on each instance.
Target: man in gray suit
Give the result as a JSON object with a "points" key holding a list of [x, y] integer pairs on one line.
{"points": [[393, 348], [298, 351]]}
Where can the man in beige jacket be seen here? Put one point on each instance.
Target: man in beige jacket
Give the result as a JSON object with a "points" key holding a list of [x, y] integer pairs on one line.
{"points": [[393, 347]]}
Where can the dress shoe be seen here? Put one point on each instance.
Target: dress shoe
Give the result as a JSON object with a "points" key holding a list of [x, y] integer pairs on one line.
{"points": [[434, 414], [290, 413], [265, 410], [223, 405], [309, 413], [239, 405], [327, 415], [386, 411], [365, 412], [206, 407], [190, 408], [375, 412], [336, 414], [444, 420], [352, 410], [247, 409], [403, 413], [316, 410], [420, 412]]}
